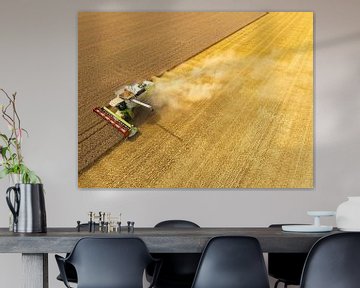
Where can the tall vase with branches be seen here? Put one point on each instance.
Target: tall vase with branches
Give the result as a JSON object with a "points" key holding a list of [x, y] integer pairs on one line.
{"points": [[12, 161]]}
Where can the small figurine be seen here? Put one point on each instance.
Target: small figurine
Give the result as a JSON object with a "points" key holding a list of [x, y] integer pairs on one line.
{"points": [[90, 221], [130, 226], [78, 226]]}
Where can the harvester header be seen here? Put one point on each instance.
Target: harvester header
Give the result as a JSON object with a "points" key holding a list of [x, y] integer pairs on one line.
{"points": [[120, 110]]}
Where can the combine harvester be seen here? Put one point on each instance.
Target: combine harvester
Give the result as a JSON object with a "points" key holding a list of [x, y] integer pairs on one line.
{"points": [[119, 112]]}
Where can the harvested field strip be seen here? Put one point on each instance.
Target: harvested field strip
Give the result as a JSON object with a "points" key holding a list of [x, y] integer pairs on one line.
{"points": [[120, 48], [238, 115]]}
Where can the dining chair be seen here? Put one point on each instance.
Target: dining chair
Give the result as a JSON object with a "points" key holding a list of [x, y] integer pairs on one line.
{"points": [[333, 262], [232, 262], [108, 263], [178, 269], [285, 267], [70, 271]]}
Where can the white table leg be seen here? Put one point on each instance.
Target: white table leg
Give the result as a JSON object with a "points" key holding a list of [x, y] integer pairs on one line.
{"points": [[35, 270]]}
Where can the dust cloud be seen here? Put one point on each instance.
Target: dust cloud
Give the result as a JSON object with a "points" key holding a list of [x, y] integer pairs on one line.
{"points": [[197, 80]]}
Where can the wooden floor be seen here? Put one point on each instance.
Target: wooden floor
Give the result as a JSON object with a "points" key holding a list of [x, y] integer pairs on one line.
{"points": [[238, 115]]}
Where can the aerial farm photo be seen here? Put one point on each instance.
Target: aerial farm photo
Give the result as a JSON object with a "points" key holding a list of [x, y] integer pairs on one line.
{"points": [[195, 100]]}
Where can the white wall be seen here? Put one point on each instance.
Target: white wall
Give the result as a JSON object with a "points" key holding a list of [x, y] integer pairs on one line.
{"points": [[38, 59]]}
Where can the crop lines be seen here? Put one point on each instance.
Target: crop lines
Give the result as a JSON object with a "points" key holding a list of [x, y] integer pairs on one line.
{"points": [[117, 48], [237, 115]]}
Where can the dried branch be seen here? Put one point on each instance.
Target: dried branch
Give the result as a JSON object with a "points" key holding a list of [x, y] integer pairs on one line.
{"points": [[12, 159]]}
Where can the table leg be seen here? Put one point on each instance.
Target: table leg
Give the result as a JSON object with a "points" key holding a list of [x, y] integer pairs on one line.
{"points": [[35, 270]]}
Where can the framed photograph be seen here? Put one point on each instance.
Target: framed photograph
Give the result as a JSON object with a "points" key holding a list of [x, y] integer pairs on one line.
{"points": [[195, 100]]}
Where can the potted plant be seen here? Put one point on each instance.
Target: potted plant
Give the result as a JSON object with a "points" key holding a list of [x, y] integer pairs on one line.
{"points": [[26, 197], [12, 161]]}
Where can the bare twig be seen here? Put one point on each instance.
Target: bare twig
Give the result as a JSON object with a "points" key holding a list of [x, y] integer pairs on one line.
{"points": [[15, 126]]}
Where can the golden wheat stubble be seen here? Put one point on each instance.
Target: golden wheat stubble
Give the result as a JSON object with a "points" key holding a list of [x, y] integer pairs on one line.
{"points": [[253, 129], [120, 48]]}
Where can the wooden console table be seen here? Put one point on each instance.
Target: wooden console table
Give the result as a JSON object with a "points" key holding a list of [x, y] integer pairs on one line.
{"points": [[35, 247]]}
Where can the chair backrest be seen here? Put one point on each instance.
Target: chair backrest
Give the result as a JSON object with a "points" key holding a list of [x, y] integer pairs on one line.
{"points": [[232, 262], [110, 262], [178, 269], [176, 224], [286, 267], [333, 262]]}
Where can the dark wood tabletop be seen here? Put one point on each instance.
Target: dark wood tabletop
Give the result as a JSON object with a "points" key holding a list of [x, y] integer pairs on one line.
{"points": [[158, 240]]}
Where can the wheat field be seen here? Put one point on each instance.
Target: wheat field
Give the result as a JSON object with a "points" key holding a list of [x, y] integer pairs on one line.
{"points": [[117, 48], [237, 115]]}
